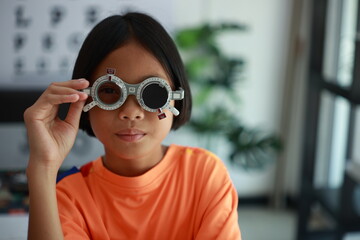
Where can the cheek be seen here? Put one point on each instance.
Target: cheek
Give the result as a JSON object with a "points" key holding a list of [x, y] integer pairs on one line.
{"points": [[166, 123], [92, 115], [160, 126], [97, 121]]}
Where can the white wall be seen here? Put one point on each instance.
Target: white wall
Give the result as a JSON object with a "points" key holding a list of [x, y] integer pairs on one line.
{"points": [[264, 48]]}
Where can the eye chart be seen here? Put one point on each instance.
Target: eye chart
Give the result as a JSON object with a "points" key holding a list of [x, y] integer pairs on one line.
{"points": [[40, 39]]}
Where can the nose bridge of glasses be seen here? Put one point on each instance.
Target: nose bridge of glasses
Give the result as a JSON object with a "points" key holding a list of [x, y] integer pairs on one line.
{"points": [[131, 88]]}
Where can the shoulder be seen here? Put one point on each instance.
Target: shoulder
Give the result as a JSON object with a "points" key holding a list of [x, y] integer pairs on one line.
{"points": [[62, 175], [201, 162], [204, 172], [196, 152], [73, 184], [74, 173], [198, 155]]}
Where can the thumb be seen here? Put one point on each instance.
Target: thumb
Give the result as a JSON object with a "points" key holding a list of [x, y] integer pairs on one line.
{"points": [[74, 113]]}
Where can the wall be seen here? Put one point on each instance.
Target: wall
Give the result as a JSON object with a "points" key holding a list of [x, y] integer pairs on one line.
{"points": [[264, 48]]}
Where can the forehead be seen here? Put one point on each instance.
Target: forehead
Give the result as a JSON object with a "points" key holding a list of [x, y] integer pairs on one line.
{"points": [[133, 64]]}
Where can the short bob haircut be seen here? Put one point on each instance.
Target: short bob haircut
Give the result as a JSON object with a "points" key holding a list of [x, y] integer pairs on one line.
{"points": [[114, 32]]}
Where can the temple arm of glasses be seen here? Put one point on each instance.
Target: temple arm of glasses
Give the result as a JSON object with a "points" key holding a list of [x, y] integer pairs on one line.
{"points": [[89, 106], [86, 90], [173, 110], [177, 95]]}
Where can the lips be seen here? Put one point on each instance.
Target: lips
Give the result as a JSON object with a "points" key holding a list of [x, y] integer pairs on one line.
{"points": [[130, 135]]}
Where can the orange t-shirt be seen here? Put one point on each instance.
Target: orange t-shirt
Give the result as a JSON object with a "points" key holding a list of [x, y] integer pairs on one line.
{"points": [[188, 195]]}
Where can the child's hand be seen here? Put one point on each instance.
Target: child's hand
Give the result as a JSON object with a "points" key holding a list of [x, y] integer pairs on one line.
{"points": [[51, 138]]}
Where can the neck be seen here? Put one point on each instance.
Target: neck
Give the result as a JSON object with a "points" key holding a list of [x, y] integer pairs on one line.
{"points": [[132, 166]]}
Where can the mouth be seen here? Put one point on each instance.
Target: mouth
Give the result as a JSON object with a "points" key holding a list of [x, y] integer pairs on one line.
{"points": [[130, 135]]}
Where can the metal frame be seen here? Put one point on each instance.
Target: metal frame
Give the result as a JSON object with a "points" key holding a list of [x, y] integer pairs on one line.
{"points": [[338, 203]]}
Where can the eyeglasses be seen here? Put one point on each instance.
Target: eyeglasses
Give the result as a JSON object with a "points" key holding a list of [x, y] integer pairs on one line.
{"points": [[153, 94]]}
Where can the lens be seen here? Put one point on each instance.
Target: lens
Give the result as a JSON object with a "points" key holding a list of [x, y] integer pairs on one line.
{"points": [[154, 96], [109, 93]]}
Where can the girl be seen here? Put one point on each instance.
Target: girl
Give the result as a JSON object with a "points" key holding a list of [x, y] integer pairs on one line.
{"points": [[139, 189]]}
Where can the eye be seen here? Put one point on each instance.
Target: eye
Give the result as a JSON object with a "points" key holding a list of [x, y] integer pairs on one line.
{"points": [[107, 90], [109, 93]]}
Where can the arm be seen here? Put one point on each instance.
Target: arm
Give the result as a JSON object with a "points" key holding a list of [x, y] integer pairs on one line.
{"points": [[43, 213], [50, 140]]}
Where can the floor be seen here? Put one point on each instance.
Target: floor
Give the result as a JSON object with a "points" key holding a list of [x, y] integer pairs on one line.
{"points": [[256, 223], [13, 227], [260, 223]]}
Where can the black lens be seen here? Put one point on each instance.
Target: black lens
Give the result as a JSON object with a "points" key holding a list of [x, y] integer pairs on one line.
{"points": [[154, 96], [109, 93]]}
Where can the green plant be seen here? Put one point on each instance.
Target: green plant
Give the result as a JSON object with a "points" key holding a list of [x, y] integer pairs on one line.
{"points": [[213, 76]]}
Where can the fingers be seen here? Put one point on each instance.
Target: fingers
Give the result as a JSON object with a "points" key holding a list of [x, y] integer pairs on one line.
{"points": [[74, 113], [65, 92], [51, 99], [71, 86], [57, 93], [75, 83], [77, 100]]}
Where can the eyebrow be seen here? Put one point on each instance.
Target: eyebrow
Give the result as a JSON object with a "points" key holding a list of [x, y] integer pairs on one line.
{"points": [[154, 75], [143, 78]]}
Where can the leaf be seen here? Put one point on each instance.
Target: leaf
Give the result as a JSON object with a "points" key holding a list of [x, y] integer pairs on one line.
{"points": [[202, 95], [211, 72], [188, 38], [196, 66]]}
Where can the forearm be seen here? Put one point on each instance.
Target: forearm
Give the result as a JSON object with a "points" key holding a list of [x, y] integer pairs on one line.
{"points": [[44, 221], [50, 140]]}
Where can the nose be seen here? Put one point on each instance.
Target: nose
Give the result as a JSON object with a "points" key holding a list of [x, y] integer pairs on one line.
{"points": [[131, 110]]}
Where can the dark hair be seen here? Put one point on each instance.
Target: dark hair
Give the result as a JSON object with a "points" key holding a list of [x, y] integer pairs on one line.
{"points": [[115, 31]]}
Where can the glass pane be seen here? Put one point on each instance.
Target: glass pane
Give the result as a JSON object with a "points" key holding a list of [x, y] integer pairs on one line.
{"points": [[355, 155], [331, 141], [332, 40], [325, 124], [340, 41], [347, 42], [339, 141]]}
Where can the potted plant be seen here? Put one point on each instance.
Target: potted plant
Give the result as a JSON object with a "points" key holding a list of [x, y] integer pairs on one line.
{"points": [[213, 76]]}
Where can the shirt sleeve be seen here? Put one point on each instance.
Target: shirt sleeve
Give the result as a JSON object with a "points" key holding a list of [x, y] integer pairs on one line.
{"points": [[78, 212], [218, 205], [220, 220], [72, 222]]}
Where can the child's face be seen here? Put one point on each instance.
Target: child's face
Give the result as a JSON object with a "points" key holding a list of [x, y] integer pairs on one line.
{"points": [[130, 131]]}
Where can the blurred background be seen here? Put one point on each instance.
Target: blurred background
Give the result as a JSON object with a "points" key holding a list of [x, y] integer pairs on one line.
{"points": [[276, 88]]}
